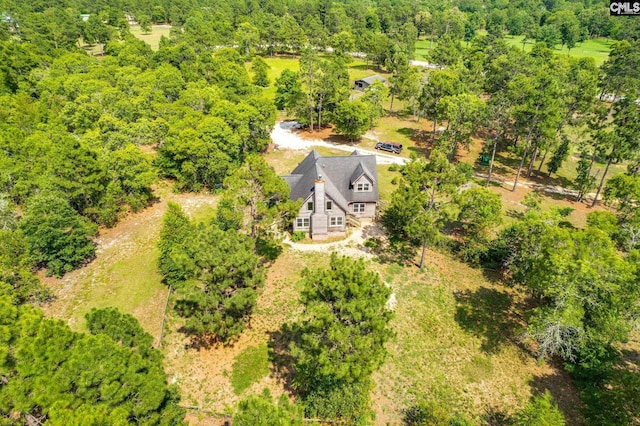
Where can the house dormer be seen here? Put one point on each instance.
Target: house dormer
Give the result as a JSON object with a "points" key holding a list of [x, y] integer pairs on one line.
{"points": [[361, 179]]}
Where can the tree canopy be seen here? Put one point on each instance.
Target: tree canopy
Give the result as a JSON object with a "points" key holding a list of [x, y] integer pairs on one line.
{"points": [[51, 373], [341, 339]]}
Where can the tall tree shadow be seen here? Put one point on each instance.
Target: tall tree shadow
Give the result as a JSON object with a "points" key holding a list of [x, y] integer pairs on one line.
{"points": [[280, 355], [493, 416], [488, 314], [562, 389], [422, 139]]}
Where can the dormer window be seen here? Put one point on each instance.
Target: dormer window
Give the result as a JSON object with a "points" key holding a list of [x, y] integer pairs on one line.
{"points": [[363, 187]]}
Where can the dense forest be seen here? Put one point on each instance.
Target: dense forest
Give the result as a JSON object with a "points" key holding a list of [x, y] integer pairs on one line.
{"points": [[85, 139]]}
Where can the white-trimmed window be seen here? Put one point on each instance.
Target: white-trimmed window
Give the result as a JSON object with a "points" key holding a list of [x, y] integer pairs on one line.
{"points": [[336, 221], [358, 207], [302, 222], [363, 187], [329, 205]]}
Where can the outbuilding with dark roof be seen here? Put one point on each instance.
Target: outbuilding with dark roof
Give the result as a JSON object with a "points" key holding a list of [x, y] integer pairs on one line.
{"points": [[363, 83]]}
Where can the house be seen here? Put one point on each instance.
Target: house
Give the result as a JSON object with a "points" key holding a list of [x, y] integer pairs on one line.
{"points": [[363, 83], [332, 190]]}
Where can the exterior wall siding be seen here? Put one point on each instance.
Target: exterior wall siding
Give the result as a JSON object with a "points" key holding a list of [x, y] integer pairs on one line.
{"points": [[369, 210], [303, 213], [335, 211]]}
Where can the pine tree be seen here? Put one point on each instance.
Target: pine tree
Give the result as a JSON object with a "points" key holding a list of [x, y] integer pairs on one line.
{"points": [[74, 378], [342, 337], [422, 203], [559, 155], [176, 229], [584, 182], [226, 274]]}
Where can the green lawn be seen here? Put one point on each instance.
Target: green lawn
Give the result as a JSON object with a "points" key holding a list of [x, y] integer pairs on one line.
{"points": [[458, 344], [423, 47], [153, 38], [415, 136], [385, 177], [596, 48], [277, 64], [249, 367]]}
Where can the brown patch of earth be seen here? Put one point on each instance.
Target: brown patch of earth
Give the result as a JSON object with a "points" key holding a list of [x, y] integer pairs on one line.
{"points": [[324, 134]]}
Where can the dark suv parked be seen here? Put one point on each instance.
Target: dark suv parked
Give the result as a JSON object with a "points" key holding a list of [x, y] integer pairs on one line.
{"points": [[396, 148]]}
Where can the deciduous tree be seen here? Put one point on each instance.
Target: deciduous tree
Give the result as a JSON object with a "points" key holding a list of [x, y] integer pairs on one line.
{"points": [[288, 90], [58, 237], [352, 118], [260, 72], [145, 24]]}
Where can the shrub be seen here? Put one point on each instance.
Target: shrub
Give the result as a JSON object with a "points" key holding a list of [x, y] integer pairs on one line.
{"points": [[58, 237], [298, 236], [349, 403], [540, 411]]}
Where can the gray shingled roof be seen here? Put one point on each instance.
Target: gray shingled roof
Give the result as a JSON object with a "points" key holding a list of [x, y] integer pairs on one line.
{"points": [[338, 172], [373, 78]]}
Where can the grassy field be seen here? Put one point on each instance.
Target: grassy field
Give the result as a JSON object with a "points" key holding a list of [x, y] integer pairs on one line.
{"points": [[249, 367], [215, 379], [124, 273], [153, 38], [277, 64], [596, 48], [357, 69], [423, 46], [415, 136], [458, 344]]}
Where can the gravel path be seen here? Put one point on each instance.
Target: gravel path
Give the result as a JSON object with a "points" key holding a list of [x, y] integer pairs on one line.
{"points": [[425, 64], [352, 246], [283, 137]]}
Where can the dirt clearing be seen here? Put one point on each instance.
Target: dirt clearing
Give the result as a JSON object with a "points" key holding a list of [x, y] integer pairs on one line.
{"points": [[124, 273]]}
